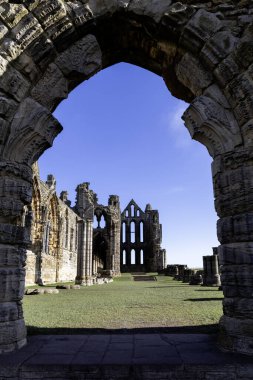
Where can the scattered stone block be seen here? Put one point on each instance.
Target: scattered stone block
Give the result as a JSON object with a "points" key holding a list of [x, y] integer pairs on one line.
{"points": [[51, 291], [62, 287]]}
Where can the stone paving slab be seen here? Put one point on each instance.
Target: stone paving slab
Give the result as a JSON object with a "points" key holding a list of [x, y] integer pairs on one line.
{"points": [[128, 357]]}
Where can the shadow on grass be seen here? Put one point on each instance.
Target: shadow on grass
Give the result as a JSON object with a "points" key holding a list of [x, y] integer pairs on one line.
{"points": [[169, 286], [208, 290], [201, 329], [204, 299]]}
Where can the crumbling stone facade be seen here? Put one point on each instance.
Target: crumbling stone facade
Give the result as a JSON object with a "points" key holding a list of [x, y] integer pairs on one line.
{"points": [[202, 50], [64, 245], [83, 242], [106, 240], [52, 255], [141, 237]]}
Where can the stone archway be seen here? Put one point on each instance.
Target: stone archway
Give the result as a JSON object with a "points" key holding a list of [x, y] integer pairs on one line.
{"points": [[204, 53]]}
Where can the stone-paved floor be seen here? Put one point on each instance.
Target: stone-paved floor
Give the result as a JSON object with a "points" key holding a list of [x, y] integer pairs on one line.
{"points": [[130, 356]]}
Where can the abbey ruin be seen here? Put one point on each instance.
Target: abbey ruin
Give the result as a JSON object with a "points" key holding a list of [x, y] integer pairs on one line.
{"points": [[202, 50], [71, 244]]}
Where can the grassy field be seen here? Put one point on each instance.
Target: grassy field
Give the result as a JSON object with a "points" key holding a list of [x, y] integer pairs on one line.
{"points": [[165, 305]]}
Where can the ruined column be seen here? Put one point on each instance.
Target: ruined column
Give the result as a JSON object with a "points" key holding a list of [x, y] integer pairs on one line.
{"points": [[15, 193], [233, 187], [81, 253], [84, 207], [114, 229], [89, 241], [211, 275], [187, 275]]}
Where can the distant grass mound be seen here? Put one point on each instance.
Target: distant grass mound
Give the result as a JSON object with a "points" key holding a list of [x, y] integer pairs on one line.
{"points": [[126, 306]]}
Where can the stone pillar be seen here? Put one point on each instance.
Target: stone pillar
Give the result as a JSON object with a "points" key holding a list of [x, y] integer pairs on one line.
{"points": [[176, 272], [114, 229], [181, 269], [81, 253], [233, 188], [196, 277], [15, 193], [187, 275], [89, 241], [84, 258], [211, 276]]}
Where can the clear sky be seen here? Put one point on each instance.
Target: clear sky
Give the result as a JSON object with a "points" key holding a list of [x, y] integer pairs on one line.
{"points": [[123, 133]]}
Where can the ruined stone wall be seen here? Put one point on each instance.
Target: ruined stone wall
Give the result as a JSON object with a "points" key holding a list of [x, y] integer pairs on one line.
{"points": [[52, 255], [141, 237], [106, 240]]}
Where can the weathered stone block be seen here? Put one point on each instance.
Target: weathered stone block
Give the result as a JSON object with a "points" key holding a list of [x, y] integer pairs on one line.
{"points": [[247, 132], [10, 311], [233, 190], [236, 253], [49, 14], [100, 8], [239, 88], [215, 93], [238, 228], [196, 83], [59, 32], [11, 14], [237, 274], [3, 30], [51, 291], [81, 61], [226, 71], [7, 107], [154, 8], [12, 335], [244, 110], [15, 189], [3, 63], [243, 54], [58, 84], [27, 30], [12, 284], [18, 170], [14, 84], [42, 51], [235, 327], [202, 26], [217, 48], [79, 13], [238, 307], [10, 234], [237, 291], [27, 67], [177, 17], [11, 207]]}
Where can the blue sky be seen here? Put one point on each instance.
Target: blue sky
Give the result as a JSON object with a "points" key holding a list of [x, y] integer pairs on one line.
{"points": [[123, 133]]}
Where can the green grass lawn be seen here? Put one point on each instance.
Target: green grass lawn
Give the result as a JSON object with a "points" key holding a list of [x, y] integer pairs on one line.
{"points": [[126, 304]]}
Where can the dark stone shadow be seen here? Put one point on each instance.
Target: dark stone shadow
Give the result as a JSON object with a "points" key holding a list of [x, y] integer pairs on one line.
{"points": [[201, 329]]}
